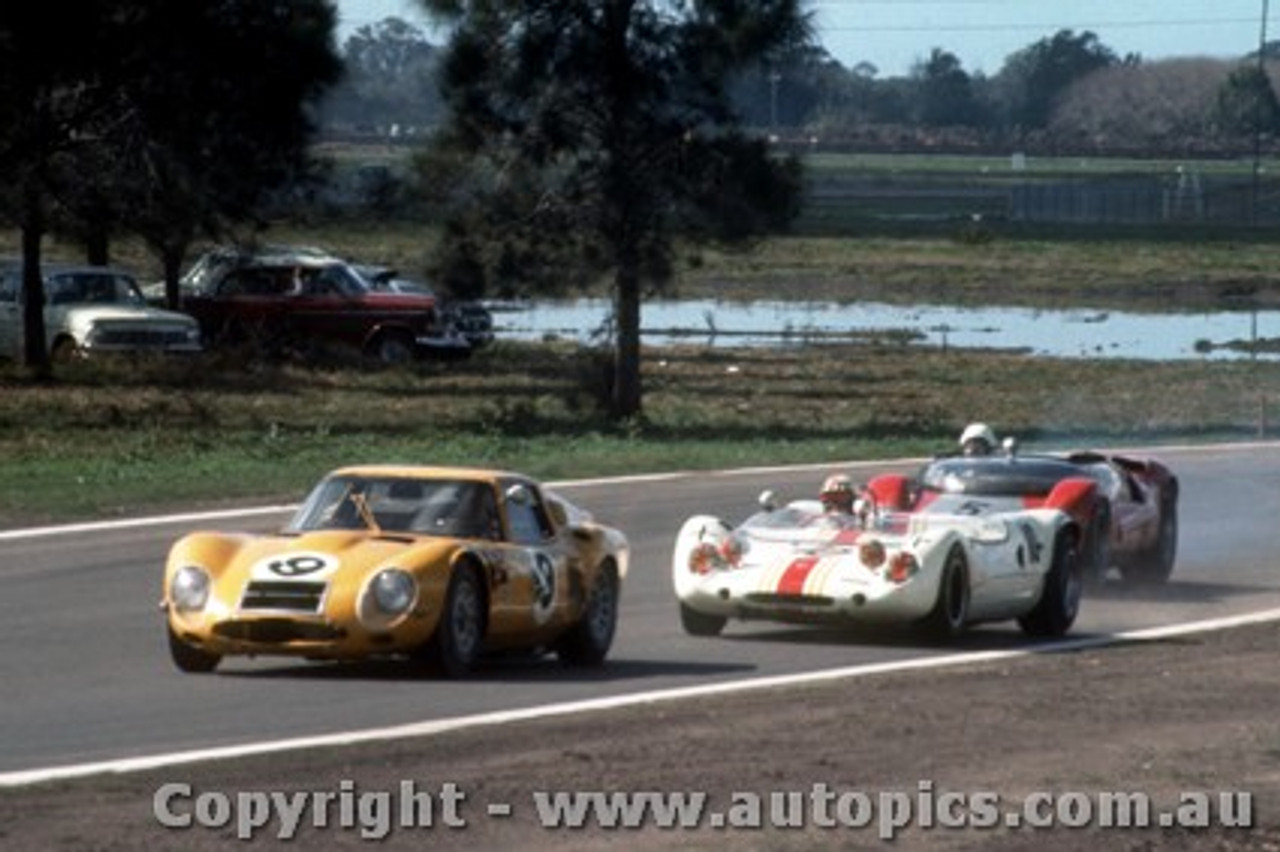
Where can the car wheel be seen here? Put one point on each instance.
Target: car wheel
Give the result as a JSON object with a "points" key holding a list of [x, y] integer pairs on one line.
{"points": [[1059, 602], [230, 332], [189, 658], [588, 641], [1156, 564], [392, 348], [1099, 545], [950, 614], [456, 644], [65, 351], [700, 623]]}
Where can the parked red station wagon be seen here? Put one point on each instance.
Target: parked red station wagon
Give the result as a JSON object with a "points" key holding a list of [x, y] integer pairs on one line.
{"points": [[301, 300]]}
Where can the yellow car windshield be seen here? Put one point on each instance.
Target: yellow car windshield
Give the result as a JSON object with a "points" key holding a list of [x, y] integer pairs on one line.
{"points": [[439, 507]]}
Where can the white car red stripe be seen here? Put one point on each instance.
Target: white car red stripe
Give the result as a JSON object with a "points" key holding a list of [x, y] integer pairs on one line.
{"points": [[793, 578]]}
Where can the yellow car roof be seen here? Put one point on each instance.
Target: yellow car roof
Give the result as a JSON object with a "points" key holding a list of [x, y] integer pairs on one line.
{"points": [[426, 472]]}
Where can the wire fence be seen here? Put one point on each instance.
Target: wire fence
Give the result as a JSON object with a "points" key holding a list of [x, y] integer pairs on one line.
{"points": [[1139, 200]]}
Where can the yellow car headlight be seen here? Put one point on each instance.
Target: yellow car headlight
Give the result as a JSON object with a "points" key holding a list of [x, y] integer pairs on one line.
{"points": [[189, 588], [394, 591]]}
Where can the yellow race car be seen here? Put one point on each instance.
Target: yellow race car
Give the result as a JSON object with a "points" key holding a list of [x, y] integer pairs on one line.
{"points": [[437, 564]]}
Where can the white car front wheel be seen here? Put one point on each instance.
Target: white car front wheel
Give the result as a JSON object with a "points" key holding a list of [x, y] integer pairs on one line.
{"points": [[700, 623]]}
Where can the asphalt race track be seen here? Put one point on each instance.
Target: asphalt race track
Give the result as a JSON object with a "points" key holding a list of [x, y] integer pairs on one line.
{"points": [[86, 675]]}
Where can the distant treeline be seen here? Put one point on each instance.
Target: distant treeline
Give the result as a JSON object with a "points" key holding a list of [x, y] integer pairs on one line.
{"points": [[1064, 93]]}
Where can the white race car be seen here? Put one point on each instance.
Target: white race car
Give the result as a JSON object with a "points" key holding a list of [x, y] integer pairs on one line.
{"points": [[961, 560]]}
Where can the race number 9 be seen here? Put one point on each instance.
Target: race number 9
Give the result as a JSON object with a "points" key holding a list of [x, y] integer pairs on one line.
{"points": [[296, 565]]}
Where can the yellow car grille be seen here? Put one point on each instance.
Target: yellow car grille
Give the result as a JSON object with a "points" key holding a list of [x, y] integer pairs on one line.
{"points": [[278, 631], [283, 596]]}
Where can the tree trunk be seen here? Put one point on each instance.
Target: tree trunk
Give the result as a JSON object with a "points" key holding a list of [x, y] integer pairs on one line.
{"points": [[98, 247], [171, 259], [626, 374], [35, 349]]}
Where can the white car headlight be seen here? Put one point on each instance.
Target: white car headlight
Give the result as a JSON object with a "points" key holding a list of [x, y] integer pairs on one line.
{"points": [[189, 588], [394, 591]]}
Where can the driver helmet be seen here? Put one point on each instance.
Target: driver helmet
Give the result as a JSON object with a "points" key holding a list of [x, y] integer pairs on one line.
{"points": [[837, 494], [977, 439]]}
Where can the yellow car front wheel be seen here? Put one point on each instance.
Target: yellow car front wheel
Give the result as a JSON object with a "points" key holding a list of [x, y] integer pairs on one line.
{"points": [[459, 637], [189, 658]]}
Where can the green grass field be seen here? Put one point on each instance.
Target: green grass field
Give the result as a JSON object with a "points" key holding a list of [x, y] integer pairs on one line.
{"points": [[125, 438]]}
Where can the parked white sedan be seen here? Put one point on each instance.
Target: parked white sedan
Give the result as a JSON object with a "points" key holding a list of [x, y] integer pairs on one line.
{"points": [[90, 310], [955, 564]]}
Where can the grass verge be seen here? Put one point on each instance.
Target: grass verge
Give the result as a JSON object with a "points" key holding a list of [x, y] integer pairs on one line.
{"points": [[127, 437]]}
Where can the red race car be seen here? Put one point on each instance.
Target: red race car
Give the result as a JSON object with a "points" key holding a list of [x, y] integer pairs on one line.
{"points": [[1126, 507]]}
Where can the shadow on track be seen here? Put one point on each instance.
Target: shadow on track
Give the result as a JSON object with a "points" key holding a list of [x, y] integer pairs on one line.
{"points": [[1172, 592], [993, 637], [501, 668]]}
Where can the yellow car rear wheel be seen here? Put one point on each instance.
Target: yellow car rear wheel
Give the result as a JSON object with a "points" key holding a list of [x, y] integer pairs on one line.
{"points": [[587, 642]]}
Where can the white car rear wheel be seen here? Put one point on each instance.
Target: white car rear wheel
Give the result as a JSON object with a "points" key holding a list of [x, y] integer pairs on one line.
{"points": [[1059, 602], [950, 614]]}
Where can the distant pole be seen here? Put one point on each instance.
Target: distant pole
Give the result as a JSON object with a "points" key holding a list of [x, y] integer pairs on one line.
{"points": [[1257, 169], [1257, 111], [774, 79], [1262, 32]]}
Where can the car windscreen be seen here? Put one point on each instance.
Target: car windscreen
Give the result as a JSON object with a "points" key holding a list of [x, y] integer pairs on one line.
{"points": [[801, 516], [1026, 476], [456, 508], [97, 288], [333, 279]]}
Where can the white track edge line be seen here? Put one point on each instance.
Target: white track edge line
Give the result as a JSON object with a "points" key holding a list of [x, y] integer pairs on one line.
{"points": [[439, 726]]}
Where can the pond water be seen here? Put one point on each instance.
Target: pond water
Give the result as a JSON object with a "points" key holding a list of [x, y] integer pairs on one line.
{"points": [[1083, 333]]}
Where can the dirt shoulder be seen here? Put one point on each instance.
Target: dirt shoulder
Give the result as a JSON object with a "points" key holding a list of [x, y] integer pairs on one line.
{"points": [[1193, 714]]}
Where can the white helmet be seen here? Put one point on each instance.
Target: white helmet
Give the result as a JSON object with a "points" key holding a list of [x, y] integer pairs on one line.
{"points": [[837, 494], [978, 433]]}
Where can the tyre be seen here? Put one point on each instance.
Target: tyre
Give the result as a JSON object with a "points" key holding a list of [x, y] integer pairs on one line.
{"points": [[392, 348], [227, 332], [459, 636], [65, 351], [1059, 602], [189, 658], [1155, 565], [950, 615], [699, 623], [587, 642], [1098, 546]]}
